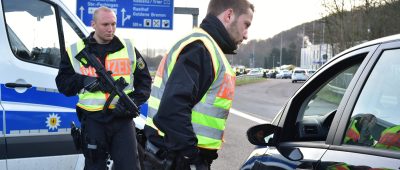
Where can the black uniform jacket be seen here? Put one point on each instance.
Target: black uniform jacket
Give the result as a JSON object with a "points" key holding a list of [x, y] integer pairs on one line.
{"points": [[188, 82], [70, 83]]}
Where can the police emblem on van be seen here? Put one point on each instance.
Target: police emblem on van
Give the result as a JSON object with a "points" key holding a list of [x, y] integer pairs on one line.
{"points": [[53, 121]]}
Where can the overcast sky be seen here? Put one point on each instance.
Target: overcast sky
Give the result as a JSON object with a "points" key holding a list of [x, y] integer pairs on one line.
{"points": [[270, 18]]}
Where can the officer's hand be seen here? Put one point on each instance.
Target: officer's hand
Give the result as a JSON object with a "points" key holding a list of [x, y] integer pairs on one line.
{"points": [[120, 109], [188, 159], [92, 84]]}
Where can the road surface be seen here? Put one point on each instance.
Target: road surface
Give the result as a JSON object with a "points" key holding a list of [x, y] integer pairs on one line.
{"points": [[253, 103]]}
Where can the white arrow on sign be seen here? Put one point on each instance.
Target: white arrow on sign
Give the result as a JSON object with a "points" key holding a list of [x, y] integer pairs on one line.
{"points": [[81, 9], [123, 16]]}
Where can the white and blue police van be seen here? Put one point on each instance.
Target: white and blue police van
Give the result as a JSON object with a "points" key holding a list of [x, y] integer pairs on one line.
{"points": [[35, 120]]}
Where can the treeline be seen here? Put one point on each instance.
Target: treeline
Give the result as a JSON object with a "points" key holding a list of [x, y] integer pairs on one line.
{"points": [[347, 23]]}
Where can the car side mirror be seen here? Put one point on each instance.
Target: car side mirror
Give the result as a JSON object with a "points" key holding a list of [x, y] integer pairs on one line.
{"points": [[263, 135]]}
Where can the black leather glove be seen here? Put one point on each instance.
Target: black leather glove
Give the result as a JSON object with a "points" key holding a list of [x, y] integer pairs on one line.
{"points": [[121, 111], [92, 84], [191, 158]]}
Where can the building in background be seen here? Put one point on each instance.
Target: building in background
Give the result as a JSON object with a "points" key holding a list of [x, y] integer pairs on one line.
{"points": [[314, 56]]}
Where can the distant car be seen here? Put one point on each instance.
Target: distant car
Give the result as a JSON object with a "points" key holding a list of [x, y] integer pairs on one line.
{"points": [[270, 74], [239, 70], [299, 74], [255, 73], [310, 72], [345, 116], [284, 74]]}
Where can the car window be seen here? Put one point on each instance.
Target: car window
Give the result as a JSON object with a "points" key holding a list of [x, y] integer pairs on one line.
{"points": [[327, 98], [375, 120], [318, 109]]}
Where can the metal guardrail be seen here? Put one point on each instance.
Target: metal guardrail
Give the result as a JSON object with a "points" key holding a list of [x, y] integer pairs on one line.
{"points": [[336, 89], [248, 77]]}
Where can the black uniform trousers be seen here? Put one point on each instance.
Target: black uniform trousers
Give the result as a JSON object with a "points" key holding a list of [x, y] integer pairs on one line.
{"points": [[115, 138]]}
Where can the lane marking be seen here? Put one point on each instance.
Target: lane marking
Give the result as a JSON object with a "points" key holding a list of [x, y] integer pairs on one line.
{"points": [[246, 116]]}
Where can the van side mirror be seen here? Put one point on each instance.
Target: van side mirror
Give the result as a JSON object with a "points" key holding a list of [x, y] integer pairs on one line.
{"points": [[263, 135]]}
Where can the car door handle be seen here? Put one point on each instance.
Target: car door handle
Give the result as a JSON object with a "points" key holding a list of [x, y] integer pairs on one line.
{"points": [[15, 85]]}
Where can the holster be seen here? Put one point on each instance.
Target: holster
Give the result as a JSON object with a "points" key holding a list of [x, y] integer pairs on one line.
{"points": [[158, 158], [76, 136]]}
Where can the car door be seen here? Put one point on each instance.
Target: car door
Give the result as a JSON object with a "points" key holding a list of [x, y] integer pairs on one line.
{"points": [[3, 157], [368, 135], [307, 119], [36, 117]]}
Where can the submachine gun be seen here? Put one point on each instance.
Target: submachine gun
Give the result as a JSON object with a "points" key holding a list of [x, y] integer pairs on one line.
{"points": [[116, 87]]}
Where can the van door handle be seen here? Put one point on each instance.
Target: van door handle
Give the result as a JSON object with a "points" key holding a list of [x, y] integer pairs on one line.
{"points": [[15, 85]]}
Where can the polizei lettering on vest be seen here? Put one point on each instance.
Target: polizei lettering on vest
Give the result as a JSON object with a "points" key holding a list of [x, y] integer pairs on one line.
{"points": [[117, 66], [227, 88]]}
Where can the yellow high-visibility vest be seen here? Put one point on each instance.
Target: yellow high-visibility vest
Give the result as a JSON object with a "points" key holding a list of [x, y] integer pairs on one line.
{"points": [[390, 139], [210, 114], [121, 63]]}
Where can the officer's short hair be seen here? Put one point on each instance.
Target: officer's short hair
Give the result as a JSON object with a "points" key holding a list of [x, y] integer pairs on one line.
{"points": [[216, 7], [102, 8]]}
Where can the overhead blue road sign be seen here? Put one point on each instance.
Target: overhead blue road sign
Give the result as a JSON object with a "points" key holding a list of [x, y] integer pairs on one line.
{"points": [[147, 14]]}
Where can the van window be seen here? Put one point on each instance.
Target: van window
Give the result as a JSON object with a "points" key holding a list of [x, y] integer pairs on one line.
{"points": [[32, 31], [72, 33]]}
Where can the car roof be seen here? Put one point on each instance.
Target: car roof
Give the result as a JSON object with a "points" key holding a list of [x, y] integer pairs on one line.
{"points": [[395, 37]]}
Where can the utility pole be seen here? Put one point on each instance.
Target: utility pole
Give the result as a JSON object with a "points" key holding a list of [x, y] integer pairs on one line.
{"points": [[273, 62], [313, 34], [323, 42]]}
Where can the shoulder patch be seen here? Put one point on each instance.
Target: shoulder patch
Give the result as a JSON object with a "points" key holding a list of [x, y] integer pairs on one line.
{"points": [[140, 63]]}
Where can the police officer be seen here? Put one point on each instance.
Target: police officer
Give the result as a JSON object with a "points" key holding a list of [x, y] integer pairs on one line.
{"points": [[111, 133], [360, 129], [193, 89]]}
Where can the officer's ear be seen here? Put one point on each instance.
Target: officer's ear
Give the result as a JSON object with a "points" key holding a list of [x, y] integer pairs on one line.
{"points": [[227, 17]]}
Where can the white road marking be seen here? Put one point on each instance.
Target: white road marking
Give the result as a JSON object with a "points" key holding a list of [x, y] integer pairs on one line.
{"points": [[246, 116]]}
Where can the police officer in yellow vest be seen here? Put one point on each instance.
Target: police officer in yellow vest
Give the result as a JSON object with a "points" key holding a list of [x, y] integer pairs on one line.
{"points": [[360, 130], [111, 133], [193, 88]]}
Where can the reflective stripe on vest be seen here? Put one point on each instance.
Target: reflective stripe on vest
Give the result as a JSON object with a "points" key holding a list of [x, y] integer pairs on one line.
{"points": [[121, 63], [390, 139], [210, 114]]}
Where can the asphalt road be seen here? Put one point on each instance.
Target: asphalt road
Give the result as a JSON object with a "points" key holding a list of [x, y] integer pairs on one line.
{"points": [[262, 100]]}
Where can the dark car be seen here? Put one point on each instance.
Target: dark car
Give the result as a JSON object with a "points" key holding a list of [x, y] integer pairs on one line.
{"points": [[346, 116], [271, 74]]}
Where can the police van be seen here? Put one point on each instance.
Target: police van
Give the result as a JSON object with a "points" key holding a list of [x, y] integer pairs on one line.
{"points": [[35, 120]]}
